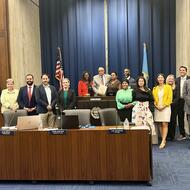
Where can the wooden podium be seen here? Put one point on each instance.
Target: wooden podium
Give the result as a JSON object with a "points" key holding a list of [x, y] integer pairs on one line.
{"points": [[94, 103], [84, 154]]}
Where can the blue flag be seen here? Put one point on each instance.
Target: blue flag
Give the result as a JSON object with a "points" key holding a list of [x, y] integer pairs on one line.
{"points": [[145, 64]]}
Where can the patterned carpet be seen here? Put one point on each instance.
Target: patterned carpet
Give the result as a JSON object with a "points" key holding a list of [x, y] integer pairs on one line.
{"points": [[171, 171]]}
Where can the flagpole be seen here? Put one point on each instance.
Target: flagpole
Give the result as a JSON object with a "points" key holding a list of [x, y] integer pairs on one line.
{"points": [[145, 63], [106, 34], [59, 69], [59, 50]]}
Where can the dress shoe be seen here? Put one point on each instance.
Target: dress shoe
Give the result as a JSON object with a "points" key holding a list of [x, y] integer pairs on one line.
{"points": [[162, 145]]}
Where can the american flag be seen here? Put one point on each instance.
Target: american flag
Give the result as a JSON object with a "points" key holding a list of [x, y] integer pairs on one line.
{"points": [[59, 75]]}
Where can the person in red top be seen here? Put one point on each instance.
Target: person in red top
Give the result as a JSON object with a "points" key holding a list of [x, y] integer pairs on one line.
{"points": [[85, 85]]}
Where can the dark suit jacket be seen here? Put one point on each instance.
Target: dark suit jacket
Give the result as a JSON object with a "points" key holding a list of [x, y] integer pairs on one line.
{"points": [[132, 82], [23, 99], [175, 97], [42, 101], [178, 81], [71, 100]]}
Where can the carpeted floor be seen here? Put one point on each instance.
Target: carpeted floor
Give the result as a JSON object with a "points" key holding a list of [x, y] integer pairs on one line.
{"points": [[171, 171]]}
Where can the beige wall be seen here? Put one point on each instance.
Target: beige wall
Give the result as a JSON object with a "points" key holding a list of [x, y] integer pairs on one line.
{"points": [[183, 38], [183, 34], [24, 33]]}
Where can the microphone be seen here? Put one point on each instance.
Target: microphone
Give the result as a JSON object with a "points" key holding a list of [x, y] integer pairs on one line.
{"points": [[57, 110], [59, 115], [116, 119]]}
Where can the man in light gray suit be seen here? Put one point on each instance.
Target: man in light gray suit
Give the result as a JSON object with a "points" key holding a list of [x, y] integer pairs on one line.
{"points": [[100, 82], [186, 96]]}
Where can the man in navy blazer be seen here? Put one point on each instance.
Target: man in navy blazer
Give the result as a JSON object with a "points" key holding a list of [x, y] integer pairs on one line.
{"points": [[46, 97], [26, 97]]}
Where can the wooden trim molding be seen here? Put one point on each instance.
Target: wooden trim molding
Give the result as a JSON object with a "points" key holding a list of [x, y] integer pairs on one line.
{"points": [[4, 47]]}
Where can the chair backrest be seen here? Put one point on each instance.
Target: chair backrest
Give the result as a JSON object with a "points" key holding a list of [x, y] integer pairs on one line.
{"points": [[83, 114], [10, 117], [109, 117]]}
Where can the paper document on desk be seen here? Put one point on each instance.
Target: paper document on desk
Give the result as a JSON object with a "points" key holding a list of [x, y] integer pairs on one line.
{"points": [[48, 129], [140, 128]]}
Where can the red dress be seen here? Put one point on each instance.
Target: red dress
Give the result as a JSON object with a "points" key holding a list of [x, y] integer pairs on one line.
{"points": [[83, 88]]}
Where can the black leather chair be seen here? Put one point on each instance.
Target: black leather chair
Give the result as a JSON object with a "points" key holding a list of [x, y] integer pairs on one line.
{"points": [[10, 117], [109, 117], [83, 114]]}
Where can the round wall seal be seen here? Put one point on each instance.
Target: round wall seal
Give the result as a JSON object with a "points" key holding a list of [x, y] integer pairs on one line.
{"points": [[95, 112]]}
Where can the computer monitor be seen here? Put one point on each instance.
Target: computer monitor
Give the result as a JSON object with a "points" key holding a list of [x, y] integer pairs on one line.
{"points": [[68, 122]]}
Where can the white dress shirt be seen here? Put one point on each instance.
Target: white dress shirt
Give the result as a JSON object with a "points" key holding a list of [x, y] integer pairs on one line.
{"points": [[183, 79], [48, 93]]}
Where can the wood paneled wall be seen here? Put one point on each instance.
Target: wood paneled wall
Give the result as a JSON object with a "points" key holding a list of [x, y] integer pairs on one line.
{"points": [[24, 35], [4, 48]]}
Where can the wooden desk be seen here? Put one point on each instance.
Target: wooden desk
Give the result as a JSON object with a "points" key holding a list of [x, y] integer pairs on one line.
{"points": [[85, 154]]}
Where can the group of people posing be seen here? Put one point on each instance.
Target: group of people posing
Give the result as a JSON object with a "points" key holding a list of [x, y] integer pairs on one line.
{"points": [[135, 101], [168, 99]]}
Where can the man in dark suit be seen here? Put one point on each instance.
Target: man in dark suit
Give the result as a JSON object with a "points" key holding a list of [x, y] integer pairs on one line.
{"points": [[127, 75], [180, 83], [26, 97], [46, 97]]}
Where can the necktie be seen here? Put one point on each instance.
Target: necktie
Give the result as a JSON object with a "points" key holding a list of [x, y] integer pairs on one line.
{"points": [[29, 93], [102, 80]]}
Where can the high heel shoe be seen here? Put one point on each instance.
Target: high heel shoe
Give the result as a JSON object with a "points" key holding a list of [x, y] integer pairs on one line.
{"points": [[162, 145]]}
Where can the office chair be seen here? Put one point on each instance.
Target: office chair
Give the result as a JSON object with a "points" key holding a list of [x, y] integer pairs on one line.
{"points": [[10, 117], [109, 117], [83, 114]]}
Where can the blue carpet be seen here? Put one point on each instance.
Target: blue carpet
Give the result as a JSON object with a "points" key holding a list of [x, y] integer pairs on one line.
{"points": [[170, 167]]}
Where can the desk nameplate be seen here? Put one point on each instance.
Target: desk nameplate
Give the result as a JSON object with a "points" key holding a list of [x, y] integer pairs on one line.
{"points": [[117, 131], [58, 132], [95, 99], [7, 132]]}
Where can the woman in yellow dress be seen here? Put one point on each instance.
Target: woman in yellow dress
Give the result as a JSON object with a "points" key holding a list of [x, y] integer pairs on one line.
{"points": [[162, 94]]}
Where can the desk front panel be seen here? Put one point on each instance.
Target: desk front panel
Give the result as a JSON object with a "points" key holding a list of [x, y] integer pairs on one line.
{"points": [[78, 155]]}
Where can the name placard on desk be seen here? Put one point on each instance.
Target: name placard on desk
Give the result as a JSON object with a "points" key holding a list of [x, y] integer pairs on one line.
{"points": [[58, 132], [117, 131], [95, 99], [7, 132]]}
